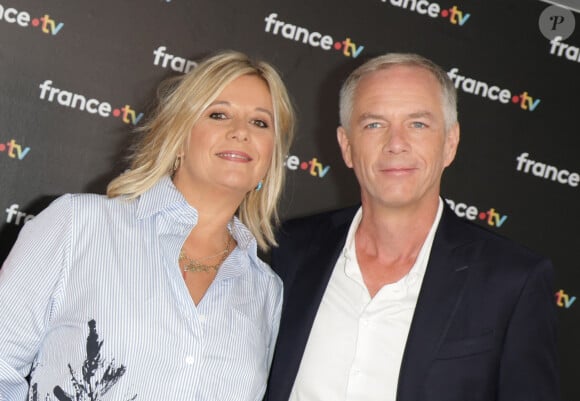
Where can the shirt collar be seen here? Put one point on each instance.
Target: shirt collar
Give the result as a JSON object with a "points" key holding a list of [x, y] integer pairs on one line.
{"points": [[164, 197], [418, 269]]}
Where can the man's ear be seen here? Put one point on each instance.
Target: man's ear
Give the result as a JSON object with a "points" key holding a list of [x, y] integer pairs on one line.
{"points": [[451, 144], [344, 143]]}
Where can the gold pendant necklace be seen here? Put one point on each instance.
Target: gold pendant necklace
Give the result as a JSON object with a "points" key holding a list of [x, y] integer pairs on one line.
{"points": [[192, 265]]}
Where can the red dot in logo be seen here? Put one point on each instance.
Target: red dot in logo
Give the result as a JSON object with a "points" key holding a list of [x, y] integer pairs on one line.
{"points": [[2, 147], [515, 99], [338, 45], [116, 112], [35, 22], [482, 216], [444, 13], [304, 165]]}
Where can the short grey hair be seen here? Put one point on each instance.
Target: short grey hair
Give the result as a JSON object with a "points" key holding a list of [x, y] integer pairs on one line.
{"points": [[448, 91]]}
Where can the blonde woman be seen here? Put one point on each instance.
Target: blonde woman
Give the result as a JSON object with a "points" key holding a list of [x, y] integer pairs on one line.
{"points": [[155, 292]]}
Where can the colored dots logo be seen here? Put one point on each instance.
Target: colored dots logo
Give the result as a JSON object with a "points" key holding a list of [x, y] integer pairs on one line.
{"points": [[47, 25], [525, 101], [127, 114], [348, 48], [14, 150], [313, 166], [455, 16]]}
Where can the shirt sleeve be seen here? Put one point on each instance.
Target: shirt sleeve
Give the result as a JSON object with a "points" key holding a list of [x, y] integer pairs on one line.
{"points": [[277, 311], [31, 278]]}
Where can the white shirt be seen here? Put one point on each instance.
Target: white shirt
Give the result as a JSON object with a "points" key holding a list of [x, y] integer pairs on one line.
{"points": [[356, 345], [92, 298]]}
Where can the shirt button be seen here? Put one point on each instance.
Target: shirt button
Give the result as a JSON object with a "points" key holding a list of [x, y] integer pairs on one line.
{"points": [[189, 360], [202, 318]]}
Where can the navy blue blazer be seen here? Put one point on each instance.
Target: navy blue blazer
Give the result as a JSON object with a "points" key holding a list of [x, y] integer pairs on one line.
{"points": [[484, 328]]}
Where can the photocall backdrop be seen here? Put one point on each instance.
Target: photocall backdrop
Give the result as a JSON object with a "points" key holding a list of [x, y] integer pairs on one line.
{"points": [[76, 77]]}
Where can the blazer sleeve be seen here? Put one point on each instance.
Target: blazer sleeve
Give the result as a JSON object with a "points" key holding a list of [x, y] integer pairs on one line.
{"points": [[528, 368]]}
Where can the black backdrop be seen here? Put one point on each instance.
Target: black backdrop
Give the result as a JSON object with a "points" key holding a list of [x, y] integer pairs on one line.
{"points": [[517, 93]]}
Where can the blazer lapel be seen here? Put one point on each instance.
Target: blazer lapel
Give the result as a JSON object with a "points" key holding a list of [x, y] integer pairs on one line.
{"points": [[303, 294], [441, 293]]}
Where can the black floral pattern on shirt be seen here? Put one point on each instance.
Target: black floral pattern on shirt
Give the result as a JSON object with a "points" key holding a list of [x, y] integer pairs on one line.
{"points": [[96, 378]]}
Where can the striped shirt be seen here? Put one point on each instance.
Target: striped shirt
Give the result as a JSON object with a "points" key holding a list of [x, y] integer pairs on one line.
{"points": [[94, 307]]}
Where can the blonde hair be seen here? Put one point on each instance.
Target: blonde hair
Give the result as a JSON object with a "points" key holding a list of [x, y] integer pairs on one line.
{"points": [[448, 91], [181, 104]]}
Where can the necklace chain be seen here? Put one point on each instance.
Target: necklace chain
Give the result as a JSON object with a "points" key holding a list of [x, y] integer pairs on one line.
{"points": [[192, 265]]}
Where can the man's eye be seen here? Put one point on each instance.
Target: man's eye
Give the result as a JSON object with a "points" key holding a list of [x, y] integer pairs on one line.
{"points": [[218, 116], [373, 125], [260, 123], [418, 124]]}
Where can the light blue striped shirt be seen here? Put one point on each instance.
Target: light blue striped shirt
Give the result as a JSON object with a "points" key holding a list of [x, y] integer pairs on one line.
{"points": [[92, 298]]}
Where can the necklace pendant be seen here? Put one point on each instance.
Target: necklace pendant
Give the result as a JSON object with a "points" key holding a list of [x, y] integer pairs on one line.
{"points": [[192, 265]]}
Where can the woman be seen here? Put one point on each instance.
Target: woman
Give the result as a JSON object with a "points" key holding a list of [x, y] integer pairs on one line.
{"points": [[156, 291]]}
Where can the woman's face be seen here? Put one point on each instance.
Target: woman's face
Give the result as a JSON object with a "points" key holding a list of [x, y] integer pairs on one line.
{"points": [[231, 145]]}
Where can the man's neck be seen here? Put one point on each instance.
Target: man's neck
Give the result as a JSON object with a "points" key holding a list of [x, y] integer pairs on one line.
{"points": [[395, 233], [388, 244]]}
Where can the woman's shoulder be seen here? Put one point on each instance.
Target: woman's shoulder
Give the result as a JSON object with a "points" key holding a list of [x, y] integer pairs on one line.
{"points": [[79, 208]]}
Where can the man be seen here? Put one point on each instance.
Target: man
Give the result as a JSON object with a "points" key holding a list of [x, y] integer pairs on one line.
{"points": [[399, 299]]}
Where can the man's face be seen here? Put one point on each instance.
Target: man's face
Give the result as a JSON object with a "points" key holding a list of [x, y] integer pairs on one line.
{"points": [[396, 142]]}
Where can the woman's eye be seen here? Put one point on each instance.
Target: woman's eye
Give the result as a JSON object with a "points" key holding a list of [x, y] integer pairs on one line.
{"points": [[218, 116], [260, 123]]}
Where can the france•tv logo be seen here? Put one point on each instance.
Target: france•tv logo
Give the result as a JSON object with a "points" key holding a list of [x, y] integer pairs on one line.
{"points": [[90, 105], [492, 92], [433, 10], [312, 38], [17, 217], [22, 18], [491, 216]]}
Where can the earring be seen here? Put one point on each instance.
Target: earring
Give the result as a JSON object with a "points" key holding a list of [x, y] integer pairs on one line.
{"points": [[259, 186], [176, 165]]}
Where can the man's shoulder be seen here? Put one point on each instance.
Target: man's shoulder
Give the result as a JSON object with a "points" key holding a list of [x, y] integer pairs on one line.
{"points": [[495, 245], [331, 218], [310, 240], [296, 235]]}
